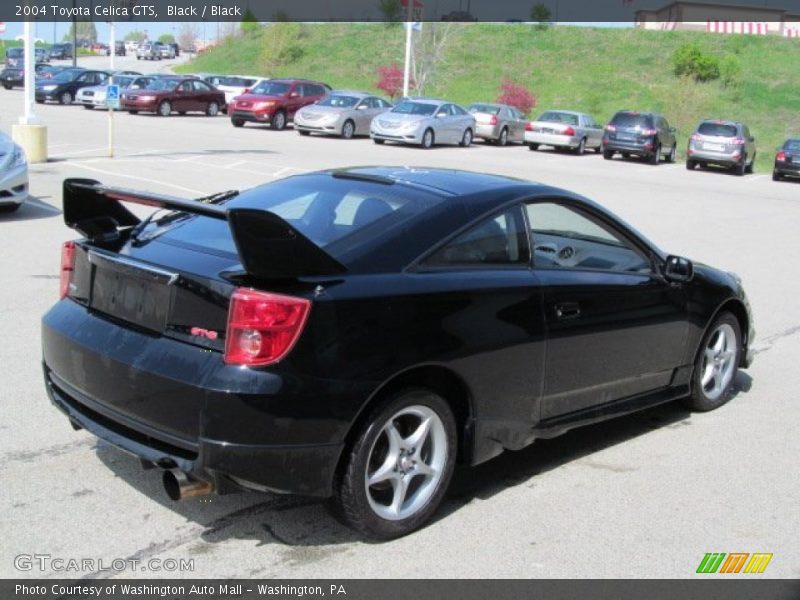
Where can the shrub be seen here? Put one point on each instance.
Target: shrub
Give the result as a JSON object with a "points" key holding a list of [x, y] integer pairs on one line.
{"points": [[517, 96], [689, 60], [390, 80], [730, 71]]}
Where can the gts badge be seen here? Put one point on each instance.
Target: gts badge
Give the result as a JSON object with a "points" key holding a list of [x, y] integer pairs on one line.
{"points": [[206, 333]]}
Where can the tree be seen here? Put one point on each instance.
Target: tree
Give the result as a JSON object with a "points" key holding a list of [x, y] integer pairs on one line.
{"points": [[250, 24], [516, 95], [689, 60], [187, 36], [390, 80], [392, 11], [166, 38], [86, 31], [541, 14], [430, 53], [134, 36]]}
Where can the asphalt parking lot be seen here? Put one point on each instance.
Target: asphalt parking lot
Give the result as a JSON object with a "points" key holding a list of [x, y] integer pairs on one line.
{"points": [[643, 496]]}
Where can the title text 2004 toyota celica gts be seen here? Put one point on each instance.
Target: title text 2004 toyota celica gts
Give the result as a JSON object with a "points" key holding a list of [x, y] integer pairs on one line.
{"points": [[354, 334]]}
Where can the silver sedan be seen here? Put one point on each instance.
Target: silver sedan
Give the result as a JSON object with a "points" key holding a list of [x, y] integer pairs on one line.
{"points": [[564, 129], [343, 113], [425, 122], [13, 174], [498, 123]]}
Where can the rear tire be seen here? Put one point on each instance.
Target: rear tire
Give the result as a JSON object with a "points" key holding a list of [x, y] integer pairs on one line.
{"points": [[533, 147], [776, 176], [303, 132], [212, 110], [88, 107], [741, 168], [690, 165], [503, 139], [133, 112], [716, 364], [655, 158], [378, 141], [749, 167], [608, 154], [581, 147], [673, 154], [407, 443]]}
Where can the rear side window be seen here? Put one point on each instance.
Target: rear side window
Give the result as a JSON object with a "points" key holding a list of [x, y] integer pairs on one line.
{"points": [[632, 120], [717, 129], [336, 214], [552, 116], [498, 240], [792, 146]]}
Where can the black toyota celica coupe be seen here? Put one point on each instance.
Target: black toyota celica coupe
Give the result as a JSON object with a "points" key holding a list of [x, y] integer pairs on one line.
{"points": [[353, 334]]}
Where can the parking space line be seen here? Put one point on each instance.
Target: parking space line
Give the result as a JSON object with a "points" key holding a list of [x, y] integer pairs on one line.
{"points": [[138, 178]]}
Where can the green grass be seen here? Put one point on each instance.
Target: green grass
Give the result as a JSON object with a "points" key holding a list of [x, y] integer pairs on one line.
{"points": [[596, 70]]}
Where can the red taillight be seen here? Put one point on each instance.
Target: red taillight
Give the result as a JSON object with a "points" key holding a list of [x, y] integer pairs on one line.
{"points": [[493, 120], [738, 141], [648, 132], [781, 156], [67, 266], [611, 128], [246, 91], [569, 131], [696, 137], [263, 327], [528, 126]]}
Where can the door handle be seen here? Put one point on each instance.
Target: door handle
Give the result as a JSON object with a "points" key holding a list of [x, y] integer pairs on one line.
{"points": [[568, 310]]}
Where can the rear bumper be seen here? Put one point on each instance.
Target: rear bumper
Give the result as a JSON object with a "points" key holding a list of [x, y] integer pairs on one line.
{"points": [[178, 406], [636, 148], [550, 139], [786, 168], [715, 158], [487, 132]]}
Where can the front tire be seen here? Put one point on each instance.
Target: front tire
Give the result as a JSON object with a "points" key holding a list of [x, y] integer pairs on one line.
{"points": [[379, 141], [716, 364], [690, 165], [165, 109], [428, 139], [348, 130], [397, 470], [279, 121], [237, 122]]}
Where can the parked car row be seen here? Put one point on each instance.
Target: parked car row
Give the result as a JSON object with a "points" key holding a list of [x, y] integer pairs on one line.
{"points": [[156, 51], [315, 108]]}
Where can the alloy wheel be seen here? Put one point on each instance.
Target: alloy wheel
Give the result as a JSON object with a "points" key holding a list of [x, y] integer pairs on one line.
{"points": [[719, 361], [164, 109], [503, 137], [348, 130], [406, 463]]}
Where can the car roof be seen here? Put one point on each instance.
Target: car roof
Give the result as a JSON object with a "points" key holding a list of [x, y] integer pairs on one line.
{"points": [[352, 93]]}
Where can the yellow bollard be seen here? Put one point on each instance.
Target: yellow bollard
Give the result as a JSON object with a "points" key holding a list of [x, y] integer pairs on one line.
{"points": [[32, 139]]}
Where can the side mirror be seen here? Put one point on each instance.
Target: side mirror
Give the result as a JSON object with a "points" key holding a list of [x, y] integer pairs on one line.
{"points": [[678, 269], [361, 107]]}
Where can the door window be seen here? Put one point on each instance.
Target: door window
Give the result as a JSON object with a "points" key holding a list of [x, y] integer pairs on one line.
{"points": [[498, 240], [565, 238]]}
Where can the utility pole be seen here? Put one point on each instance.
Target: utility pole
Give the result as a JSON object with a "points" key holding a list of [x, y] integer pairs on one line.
{"points": [[409, 28]]}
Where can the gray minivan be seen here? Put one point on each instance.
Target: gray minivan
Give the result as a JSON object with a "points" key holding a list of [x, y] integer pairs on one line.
{"points": [[724, 143]]}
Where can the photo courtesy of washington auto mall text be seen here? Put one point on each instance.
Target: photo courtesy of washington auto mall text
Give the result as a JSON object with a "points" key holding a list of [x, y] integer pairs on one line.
{"points": [[403, 299]]}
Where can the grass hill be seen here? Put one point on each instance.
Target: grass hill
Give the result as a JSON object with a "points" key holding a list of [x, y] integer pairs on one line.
{"points": [[596, 70]]}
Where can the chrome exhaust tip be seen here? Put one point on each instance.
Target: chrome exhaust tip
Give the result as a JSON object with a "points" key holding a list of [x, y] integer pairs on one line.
{"points": [[180, 485]]}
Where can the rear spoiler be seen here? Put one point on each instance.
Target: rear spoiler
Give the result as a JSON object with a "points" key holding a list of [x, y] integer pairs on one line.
{"points": [[267, 245]]}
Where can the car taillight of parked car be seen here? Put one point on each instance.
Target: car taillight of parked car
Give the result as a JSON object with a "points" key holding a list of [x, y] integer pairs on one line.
{"points": [[263, 327], [696, 137], [611, 128], [648, 132], [67, 267], [569, 131], [493, 120], [738, 141], [781, 156], [528, 126]]}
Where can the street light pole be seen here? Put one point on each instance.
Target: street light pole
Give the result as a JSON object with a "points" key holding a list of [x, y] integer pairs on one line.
{"points": [[409, 29]]}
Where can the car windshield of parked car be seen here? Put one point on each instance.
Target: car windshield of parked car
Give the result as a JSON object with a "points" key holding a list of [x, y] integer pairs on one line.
{"points": [[337, 214], [415, 108], [270, 88], [338, 101], [121, 80], [717, 130], [792, 146], [552, 116], [163, 85], [15, 53], [484, 108], [632, 120], [66, 76]]}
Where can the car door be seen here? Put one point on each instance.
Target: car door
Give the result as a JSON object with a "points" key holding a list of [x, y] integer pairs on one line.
{"points": [[204, 95], [442, 124], [81, 81], [183, 98], [616, 328]]}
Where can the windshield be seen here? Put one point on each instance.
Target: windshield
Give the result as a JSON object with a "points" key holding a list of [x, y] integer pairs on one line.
{"points": [[415, 108], [121, 81], [163, 85], [270, 88], [552, 116], [15, 52], [484, 108], [337, 214], [64, 76], [339, 101], [717, 130]]}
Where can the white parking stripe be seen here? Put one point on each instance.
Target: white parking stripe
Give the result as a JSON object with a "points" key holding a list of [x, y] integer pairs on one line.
{"points": [[137, 178]]}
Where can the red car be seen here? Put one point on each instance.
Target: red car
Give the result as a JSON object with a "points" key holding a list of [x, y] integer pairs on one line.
{"points": [[275, 101], [166, 95]]}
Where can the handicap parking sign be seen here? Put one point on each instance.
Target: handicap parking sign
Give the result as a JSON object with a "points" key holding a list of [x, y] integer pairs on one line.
{"points": [[112, 97]]}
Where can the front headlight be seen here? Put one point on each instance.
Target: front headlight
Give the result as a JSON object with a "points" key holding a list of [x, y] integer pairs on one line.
{"points": [[18, 159], [48, 88], [147, 98]]}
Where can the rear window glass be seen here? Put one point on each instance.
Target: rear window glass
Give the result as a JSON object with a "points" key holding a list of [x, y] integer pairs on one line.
{"points": [[792, 145], [484, 108], [552, 116], [15, 52], [632, 120], [336, 214], [717, 130]]}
